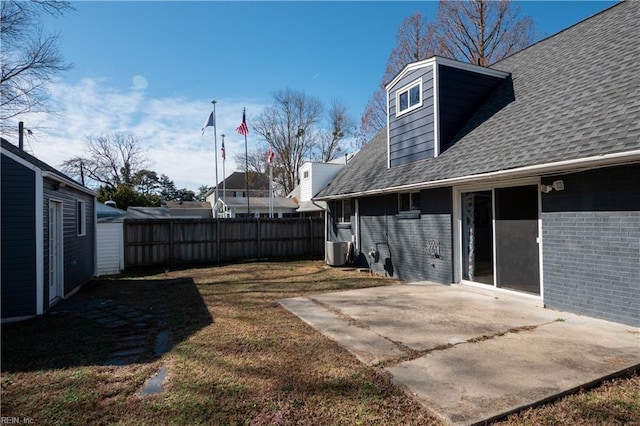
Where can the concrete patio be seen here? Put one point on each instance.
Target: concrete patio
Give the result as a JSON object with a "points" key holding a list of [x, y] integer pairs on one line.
{"points": [[468, 354]]}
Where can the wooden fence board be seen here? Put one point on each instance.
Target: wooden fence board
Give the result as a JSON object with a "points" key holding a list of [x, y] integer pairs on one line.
{"points": [[156, 242]]}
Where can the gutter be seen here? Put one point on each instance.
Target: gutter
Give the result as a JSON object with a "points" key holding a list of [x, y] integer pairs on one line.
{"points": [[620, 158]]}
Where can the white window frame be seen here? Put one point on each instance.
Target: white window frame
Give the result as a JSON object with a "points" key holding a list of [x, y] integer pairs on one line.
{"points": [[81, 218], [409, 194], [341, 218], [305, 174], [407, 89]]}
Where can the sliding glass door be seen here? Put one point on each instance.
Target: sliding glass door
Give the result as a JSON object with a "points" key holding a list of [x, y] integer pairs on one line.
{"points": [[477, 237], [499, 241]]}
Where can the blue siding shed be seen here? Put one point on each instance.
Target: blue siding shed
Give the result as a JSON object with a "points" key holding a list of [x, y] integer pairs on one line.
{"points": [[30, 189]]}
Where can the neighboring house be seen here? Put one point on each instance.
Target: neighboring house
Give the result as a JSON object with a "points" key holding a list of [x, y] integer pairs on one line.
{"points": [[313, 177], [232, 197], [235, 207], [48, 234], [196, 209], [524, 176], [232, 202], [172, 210], [235, 186], [148, 213], [110, 239]]}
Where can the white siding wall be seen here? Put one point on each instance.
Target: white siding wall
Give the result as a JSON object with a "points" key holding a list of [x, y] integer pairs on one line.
{"points": [[305, 184], [110, 248], [319, 176]]}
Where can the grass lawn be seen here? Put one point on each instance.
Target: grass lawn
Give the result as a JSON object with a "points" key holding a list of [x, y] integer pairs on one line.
{"points": [[237, 358]]}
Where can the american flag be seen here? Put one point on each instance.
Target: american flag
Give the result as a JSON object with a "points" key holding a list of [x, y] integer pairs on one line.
{"points": [[270, 155], [224, 156], [242, 128]]}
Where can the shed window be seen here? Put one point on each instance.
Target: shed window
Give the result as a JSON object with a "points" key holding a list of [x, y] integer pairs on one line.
{"points": [[306, 174], [81, 218], [409, 201], [409, 97]]}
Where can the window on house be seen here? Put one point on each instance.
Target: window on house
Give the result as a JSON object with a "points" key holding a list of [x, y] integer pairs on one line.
{"points": [[409, 97], [81, 218], [343, 211], [305, 175], [408, 202]]}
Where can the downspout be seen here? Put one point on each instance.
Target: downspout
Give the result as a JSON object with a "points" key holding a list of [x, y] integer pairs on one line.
{"points": [[357, 233], [326, 231]]}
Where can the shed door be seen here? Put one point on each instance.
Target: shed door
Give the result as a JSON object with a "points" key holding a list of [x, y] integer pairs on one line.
{"points": [[516, 238], [56, 265]]}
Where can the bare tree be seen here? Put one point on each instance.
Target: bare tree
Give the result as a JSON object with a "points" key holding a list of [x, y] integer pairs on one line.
{"points": [[415, 41], [110, 160], [476, 31], [29, 58], [341, 126], [482, 32], [257, 161], [374, 117], [289, 126]]}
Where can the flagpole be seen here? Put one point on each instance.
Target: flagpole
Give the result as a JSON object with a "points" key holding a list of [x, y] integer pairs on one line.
{"points": [[224, 174], [270, 189], [215, 148], [244, 130], [246, 173]]}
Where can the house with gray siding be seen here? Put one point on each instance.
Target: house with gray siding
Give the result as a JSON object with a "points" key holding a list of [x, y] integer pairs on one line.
{"points": [[48, 228], [521, 177]]}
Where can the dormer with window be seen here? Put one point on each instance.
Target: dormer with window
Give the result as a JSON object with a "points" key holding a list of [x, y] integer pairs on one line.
{"points": [[429, 101]]}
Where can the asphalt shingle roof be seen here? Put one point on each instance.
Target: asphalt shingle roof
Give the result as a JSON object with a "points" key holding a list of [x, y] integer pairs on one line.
{"points": [[236, 180], [33, 160], [573, 95]]}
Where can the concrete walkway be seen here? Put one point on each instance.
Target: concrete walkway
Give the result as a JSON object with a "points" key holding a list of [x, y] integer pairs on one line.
{"points": [[471, 355]]}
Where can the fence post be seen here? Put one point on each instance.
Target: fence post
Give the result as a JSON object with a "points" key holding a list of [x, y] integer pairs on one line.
{"points": [[311, 237], [218, 240], [171, 246], [258, 238]]}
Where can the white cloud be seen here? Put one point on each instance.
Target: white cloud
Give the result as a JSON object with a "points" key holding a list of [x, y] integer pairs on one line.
{"points": [[169, 128]]}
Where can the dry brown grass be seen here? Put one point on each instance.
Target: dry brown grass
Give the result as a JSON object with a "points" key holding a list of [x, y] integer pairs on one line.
{"points": [[615, 402], [238, 358], [243, 359]]}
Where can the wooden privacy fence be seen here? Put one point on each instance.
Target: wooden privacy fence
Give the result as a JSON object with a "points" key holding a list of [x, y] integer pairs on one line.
{"points": [[154, 242]]}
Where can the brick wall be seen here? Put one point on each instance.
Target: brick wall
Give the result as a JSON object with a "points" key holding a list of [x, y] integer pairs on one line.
{"points": [[401, 243], [591, 244]]}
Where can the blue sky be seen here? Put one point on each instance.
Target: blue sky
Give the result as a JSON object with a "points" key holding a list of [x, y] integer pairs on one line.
{"points": [[152, 69]]}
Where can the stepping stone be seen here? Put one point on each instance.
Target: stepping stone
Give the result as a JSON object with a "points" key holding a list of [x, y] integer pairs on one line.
{"points": [[153, 386], [129, 352], [107, 318], [117, 362], [97, 316], [115, 323], [163, 342], [134, 339]]}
